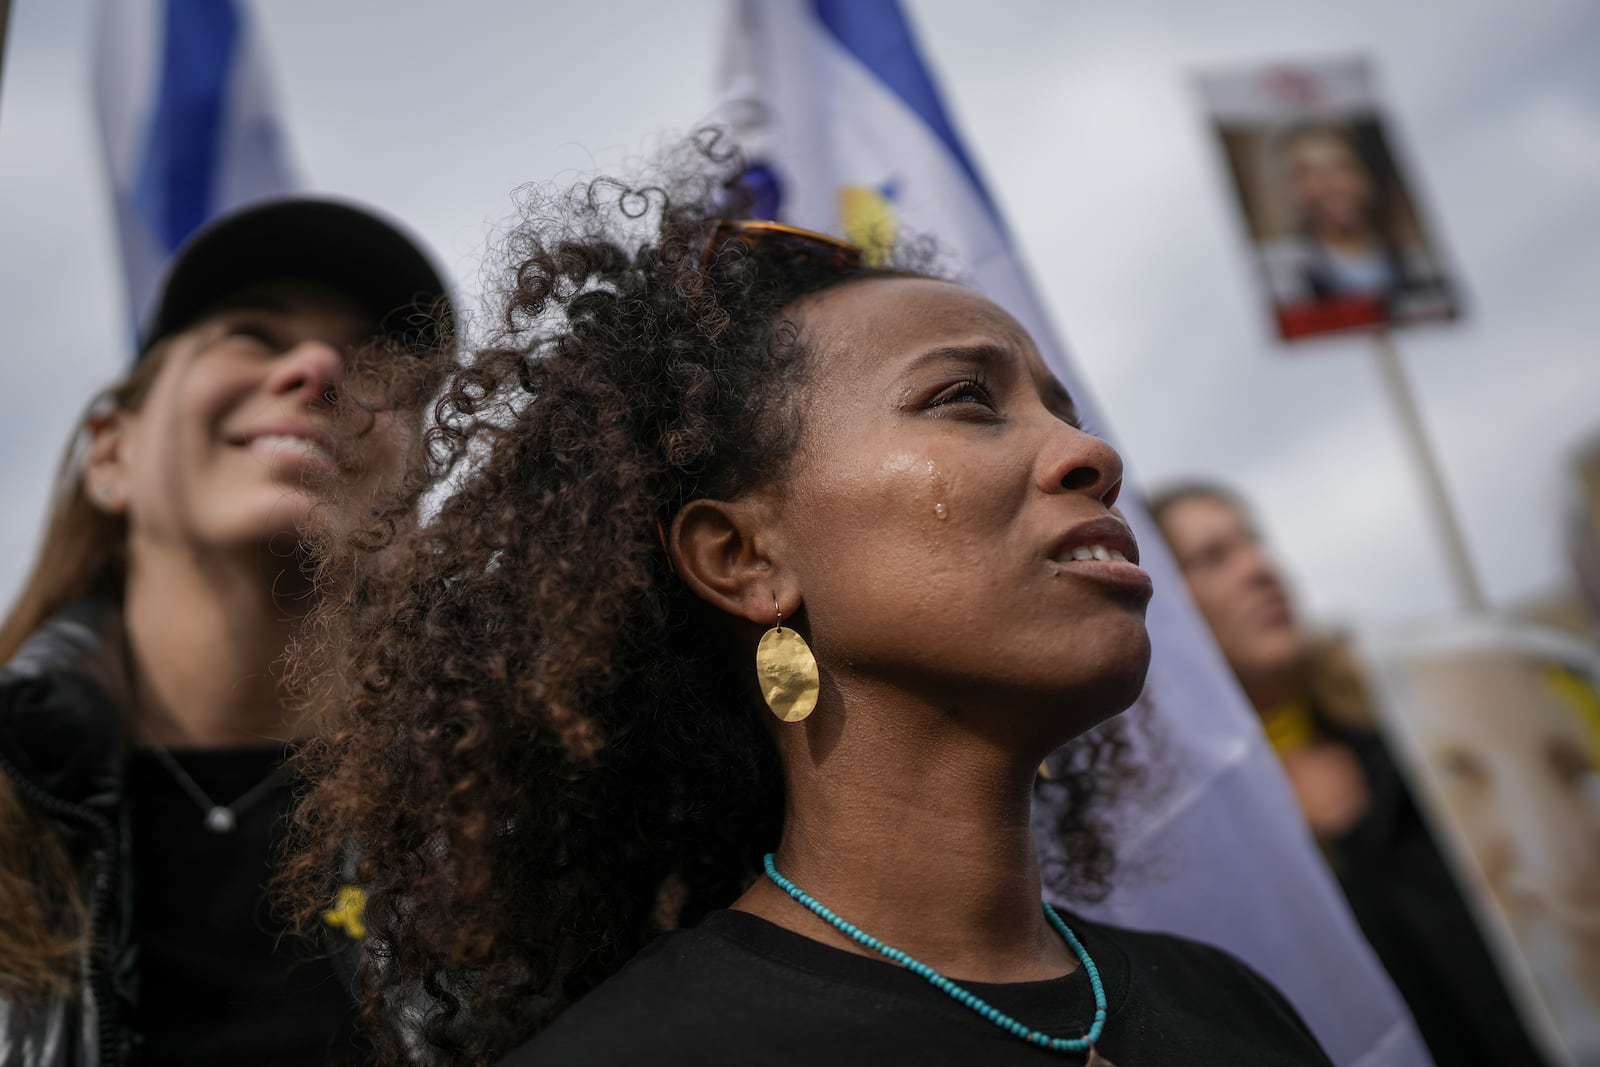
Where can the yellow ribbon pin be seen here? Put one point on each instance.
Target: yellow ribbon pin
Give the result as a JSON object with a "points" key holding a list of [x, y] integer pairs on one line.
{"points": [[349, 912]]}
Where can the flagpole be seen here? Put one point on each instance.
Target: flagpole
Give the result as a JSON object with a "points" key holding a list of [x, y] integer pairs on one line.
{"points": [[1459, 563], [5, 19]]}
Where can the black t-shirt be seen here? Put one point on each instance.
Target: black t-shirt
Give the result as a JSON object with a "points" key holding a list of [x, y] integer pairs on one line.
{"points": [[218, 982], [738, 990]]}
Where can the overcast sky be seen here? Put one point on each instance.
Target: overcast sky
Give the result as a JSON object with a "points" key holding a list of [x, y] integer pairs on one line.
{"points": [[1082, 118]]}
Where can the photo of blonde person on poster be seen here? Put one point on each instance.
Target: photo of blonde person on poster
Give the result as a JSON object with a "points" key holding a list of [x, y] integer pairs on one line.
{"points": [[1494, 720]]}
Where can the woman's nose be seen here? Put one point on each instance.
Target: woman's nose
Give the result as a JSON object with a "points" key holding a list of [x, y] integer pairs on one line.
{"points": [[312, 369], [1079, 462]]}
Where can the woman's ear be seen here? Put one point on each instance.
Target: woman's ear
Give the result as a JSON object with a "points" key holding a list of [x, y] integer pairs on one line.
{"points": [[720, 550], [105, 474]]}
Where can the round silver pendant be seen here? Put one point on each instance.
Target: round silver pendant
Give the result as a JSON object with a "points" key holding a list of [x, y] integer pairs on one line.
{"points": [[220, 820]]}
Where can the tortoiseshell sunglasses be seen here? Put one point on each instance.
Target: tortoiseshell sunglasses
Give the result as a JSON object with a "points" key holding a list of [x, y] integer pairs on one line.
{"points": [[757, 233]]}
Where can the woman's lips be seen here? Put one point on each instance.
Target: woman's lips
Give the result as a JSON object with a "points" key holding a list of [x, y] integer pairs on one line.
{"points": [[1103, 550], [292, 449], [1107, 533], [1121, 574]]}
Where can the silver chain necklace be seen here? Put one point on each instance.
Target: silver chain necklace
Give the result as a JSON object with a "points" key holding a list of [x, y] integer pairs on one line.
{"points": [[219, 818]]}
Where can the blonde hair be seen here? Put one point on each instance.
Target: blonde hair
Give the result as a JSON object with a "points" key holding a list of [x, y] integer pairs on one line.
{"points": [[42, 916]]}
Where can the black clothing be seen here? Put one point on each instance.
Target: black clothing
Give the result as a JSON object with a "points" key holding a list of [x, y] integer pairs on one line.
{"points": [[217, 984], [63, 749], [739, 990], [1408, 904]]}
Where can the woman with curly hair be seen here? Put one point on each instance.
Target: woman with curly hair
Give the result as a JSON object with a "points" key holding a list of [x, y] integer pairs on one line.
{"points": [[699, 719]]}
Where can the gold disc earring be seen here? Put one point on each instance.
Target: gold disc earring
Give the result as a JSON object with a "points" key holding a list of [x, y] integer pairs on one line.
{"points": [[787, 671]]}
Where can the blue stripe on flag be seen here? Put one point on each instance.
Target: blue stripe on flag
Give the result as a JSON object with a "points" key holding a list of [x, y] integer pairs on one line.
{"points": [[176, 183], [876, 33]]}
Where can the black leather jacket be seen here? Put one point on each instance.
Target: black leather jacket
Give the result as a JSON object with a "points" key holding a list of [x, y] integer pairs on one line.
{"points": [[61, 746]]}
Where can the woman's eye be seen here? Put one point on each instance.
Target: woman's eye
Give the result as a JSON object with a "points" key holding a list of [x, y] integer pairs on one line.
{"points": [[970, 391], [251, 331]]}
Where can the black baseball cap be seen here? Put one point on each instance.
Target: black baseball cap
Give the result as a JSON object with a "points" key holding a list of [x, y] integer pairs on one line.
{"points": [[348, 248]]}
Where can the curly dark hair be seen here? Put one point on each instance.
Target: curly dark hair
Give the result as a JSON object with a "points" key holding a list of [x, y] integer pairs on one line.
{"points": [[540, 752]]}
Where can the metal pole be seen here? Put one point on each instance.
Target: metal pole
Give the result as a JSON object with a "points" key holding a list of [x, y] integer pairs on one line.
{"points": [[1393, 373], [5, 18]]}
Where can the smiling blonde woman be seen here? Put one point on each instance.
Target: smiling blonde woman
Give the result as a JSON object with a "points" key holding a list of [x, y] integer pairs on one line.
{"points": [[142, 715]]}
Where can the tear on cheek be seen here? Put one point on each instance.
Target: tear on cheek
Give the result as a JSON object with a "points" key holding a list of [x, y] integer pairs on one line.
{"points": [[939, 491]]}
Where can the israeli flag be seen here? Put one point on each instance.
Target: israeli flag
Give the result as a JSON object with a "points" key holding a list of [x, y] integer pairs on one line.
{"points": [[845, 132], [189, 125]]}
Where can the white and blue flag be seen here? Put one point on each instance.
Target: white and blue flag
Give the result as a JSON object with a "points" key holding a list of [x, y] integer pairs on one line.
{"points": [[845, 132], [189, 124]]}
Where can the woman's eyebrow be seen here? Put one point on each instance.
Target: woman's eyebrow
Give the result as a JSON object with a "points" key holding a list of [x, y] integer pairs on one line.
{"points": [[983, 356], [255, 302]]}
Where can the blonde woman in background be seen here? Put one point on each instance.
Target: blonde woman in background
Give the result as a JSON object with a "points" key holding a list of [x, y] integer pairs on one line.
{"points": [[142, 723]]}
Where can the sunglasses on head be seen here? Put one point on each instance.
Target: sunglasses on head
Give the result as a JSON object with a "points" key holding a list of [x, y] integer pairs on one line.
{"points": [[760, 233]]}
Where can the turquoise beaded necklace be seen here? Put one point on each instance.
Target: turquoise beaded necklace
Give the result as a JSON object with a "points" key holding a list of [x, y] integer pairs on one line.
{"points": [[954, 991]]}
